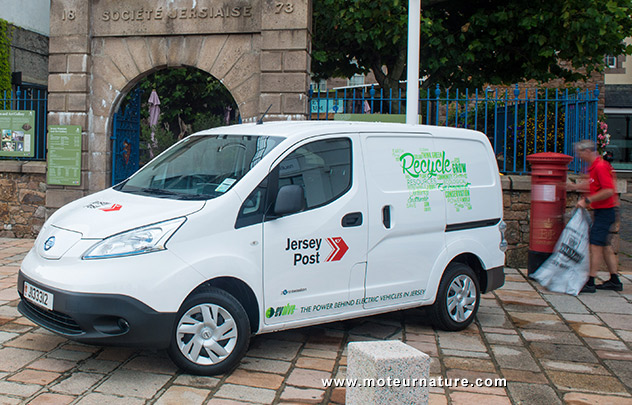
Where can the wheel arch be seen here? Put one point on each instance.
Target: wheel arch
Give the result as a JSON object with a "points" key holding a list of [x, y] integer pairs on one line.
{"points": [[474, 262], [241, 292]]}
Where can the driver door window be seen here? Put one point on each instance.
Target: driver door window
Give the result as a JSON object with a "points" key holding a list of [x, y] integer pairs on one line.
{"points": [[322, 168]]}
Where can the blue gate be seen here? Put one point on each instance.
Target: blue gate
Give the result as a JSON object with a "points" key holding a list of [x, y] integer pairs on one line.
{"points": [[517, 123], [126, 139]]}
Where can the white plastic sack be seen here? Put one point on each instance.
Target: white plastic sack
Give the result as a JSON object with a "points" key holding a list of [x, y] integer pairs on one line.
{"points": [[567, 269]]}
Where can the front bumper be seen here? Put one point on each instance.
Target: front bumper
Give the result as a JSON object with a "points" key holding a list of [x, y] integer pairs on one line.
{"points": [[102, 319]]}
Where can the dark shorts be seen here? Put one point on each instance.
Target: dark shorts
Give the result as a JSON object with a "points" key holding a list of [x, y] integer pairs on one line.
{"points": [[600, 230]]}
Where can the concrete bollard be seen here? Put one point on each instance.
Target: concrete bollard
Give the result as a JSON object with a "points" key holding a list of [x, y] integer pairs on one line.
{"points": [[394, 370]]}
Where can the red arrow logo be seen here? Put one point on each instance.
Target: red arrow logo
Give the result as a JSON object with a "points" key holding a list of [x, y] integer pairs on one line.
{"points": [[339, 248], [114, 207]]}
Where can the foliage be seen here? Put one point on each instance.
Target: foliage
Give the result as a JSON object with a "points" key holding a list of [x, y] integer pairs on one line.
{"points": [[358, 36], [205, 121], [187, 95], [469, 43], [603, 137], [163, 140], [541, 131], [5, 50]]}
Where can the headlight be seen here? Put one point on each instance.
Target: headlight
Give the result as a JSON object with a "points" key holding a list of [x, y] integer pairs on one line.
{"points": [[147, 239]]}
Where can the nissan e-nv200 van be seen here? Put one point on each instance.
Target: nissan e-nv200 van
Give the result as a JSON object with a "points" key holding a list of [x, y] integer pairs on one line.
{"points": [[250, 229]]}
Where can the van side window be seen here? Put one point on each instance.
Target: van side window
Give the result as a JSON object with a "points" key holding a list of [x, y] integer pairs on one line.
{"points": [[322, 168]]}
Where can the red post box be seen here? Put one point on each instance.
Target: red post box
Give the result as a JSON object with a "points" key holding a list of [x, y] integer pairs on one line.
{"points": [[548, 203]]}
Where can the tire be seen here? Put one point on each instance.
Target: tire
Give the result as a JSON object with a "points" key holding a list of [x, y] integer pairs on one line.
{"points": [[457, 300], [211, 333]]}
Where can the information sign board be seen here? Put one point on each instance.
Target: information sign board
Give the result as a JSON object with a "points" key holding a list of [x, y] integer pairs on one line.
{"points": [[64, 155], [17, 133]]}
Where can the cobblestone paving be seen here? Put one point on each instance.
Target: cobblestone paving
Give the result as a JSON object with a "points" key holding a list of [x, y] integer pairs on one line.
{"points": [[551, 348]]}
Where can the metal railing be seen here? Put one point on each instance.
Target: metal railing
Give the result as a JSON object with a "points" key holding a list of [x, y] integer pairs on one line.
{"points": [[34, 99], [518, 122]]}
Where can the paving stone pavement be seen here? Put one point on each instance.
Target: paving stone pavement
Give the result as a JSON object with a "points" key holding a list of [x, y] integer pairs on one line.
{"points": [[551, 349]]}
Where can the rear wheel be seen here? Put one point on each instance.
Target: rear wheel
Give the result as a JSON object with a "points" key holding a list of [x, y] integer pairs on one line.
{"points": [[458, 298], [211, 334]]}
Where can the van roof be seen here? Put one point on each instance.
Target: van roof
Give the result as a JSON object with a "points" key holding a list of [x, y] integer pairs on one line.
{"points": [[302, 129]]}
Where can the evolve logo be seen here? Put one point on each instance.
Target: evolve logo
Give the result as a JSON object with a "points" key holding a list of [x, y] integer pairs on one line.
{"points": [[339, 248], [280, 311]]}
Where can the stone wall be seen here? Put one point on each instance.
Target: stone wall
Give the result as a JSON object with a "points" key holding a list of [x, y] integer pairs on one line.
{"points": [[29, 55], [22, 197]]}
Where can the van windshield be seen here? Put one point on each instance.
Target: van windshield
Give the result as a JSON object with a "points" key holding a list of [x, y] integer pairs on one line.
{"points": [[200, 167]]}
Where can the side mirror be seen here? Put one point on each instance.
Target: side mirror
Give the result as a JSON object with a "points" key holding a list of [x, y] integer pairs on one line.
{"points": [[290, 199]]}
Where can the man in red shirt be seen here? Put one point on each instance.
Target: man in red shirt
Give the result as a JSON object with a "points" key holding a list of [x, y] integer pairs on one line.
{"points": [[601, 196]]}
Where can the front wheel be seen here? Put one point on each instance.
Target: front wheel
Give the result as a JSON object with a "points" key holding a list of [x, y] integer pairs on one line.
{"points": [[458, 298], [211, 334]]}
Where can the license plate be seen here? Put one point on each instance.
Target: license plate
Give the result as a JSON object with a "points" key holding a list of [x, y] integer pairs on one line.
{"points": [[38, 296]]}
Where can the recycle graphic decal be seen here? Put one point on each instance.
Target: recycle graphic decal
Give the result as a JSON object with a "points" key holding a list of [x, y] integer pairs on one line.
{"points": [[426, 170]]}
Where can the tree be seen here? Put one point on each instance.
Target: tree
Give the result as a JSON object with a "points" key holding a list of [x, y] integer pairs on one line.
{"points": [[190, 100], [188, 93], [470, 42]]}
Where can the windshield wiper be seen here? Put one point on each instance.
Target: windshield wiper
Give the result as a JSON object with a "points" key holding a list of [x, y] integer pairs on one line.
{"points": [[178, 196], [195, 197], [158, 191]]}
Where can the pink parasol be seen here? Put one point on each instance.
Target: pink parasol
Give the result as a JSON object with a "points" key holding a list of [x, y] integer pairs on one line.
{"points": [[154, 115]]}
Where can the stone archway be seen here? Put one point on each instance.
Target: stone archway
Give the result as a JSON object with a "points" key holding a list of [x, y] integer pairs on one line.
{"points": [[119, 63], [259, 50]]}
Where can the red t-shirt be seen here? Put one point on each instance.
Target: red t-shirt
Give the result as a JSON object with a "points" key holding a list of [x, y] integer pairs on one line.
{"points": [[602, 177]]}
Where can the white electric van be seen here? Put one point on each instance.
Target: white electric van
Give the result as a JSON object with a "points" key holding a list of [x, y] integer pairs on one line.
{"points": [[251, 229]]}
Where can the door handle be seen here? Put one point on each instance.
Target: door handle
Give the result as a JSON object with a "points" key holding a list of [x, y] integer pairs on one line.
{"points": [[386, 216], [352, 219]]}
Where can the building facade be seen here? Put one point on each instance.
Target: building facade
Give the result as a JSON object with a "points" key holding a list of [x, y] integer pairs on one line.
{"points": [[618, 109], [30, 29]]}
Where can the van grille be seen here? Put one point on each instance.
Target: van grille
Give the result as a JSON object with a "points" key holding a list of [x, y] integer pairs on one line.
{"points": [[53, 320]]}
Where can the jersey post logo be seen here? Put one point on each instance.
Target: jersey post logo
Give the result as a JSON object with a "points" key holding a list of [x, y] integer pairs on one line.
{"points": [[339, 248], [104, 206], [307, 251], [114, 207]]}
